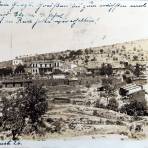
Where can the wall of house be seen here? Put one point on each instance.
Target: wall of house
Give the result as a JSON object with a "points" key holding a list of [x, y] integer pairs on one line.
{"points": [[17, 62], [44, 65], [139, 96]]}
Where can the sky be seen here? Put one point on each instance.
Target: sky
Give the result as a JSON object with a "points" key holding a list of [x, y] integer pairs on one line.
{"points": [[124, 24]]}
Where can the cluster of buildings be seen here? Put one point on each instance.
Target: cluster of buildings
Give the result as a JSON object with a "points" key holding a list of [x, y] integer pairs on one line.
{"points": [[59, 72], [43, 67]]}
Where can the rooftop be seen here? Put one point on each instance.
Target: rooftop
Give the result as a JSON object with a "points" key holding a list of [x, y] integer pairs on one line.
{"points": [[47, 61]]}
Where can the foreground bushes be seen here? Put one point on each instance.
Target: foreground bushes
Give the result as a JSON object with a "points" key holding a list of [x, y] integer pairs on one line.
{"points": [[135, 108], [112, 104], [132, 108], [26, 105]]}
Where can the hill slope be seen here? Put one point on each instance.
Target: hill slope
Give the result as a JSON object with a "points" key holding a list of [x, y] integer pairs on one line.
{"points": [[128, 51]]}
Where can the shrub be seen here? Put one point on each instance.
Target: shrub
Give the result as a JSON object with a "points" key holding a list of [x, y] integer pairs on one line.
{"points": [[95, 113], [113, 104], [134, 108], [109, 122], [88, 85], [98, 104], [30, 103], [118, 122]]}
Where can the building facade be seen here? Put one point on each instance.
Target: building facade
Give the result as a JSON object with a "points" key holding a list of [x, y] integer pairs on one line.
{"points": [[46, 67], [17, 61], [133, 91]]}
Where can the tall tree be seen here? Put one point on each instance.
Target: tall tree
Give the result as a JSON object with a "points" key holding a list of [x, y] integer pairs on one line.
{"points": [[35, 101], [13, 116], [106, 69], [103, 69], [19, 69], [108, 88], [30, 103], [109, 69], [137, 70]]}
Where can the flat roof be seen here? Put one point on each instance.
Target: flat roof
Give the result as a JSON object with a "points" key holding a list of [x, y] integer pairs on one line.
{"points": [[46, 61]]}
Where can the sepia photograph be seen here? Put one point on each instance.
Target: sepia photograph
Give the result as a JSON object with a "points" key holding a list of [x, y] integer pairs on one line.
{"points": [[73, 74]]}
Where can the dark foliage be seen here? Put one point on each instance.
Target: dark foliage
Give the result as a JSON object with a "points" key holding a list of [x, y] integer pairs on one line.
{"points": [[106, 69], [13, 116], [134, 108], [137, 70], [98, 104], [35, 101], [73, 54], [113, 104], [27, 105], [6, 71], [109, 88], [19, 69]]}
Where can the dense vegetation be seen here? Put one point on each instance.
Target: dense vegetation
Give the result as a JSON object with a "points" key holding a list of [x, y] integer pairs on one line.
{"points": [[24, 108]]}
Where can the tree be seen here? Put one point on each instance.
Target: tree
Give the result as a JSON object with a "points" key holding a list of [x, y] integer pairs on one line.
{"points": [[79, 52], [86, 51], [137, 70], [102, 69], [123, 47], [113, 104], [6, 71], [101, 51], [30, 103], [106, 69], [109, 69], [13, 116], [108, 87], [98, 104], [135, 108], [135, 58], [19, 69], [35, 101]]}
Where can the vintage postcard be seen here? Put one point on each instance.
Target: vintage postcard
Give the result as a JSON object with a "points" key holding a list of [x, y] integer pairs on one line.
{"points": [[73, 73]]}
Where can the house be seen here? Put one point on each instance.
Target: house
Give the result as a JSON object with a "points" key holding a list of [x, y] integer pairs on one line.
{"points": [[133, 91], [17, 61], [80, 70], [45, 66], [59, 76]]}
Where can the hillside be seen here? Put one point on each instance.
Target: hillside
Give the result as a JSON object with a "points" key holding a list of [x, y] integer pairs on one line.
{"points": [[128, 51]]}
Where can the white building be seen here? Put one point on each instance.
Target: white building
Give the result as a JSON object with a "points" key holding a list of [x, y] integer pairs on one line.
{"points": [[43, 67], [59, 76], [17, 61], [68, 67]]}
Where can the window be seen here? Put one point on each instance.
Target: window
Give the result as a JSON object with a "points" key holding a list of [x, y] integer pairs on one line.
{"points": [[58, 64], [40, 65], [45, 65]]}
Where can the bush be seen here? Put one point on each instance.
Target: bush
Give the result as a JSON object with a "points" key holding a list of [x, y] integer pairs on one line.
{"points": [[113, 104], [29, 104], [109, 122], [134, 108], [98, 104], [87, 85], [118, 122], [95, 113]]}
